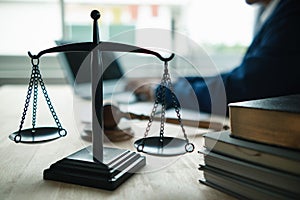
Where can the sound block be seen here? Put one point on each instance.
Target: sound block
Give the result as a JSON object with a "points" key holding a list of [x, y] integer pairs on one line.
{"points": [[81, 169]]}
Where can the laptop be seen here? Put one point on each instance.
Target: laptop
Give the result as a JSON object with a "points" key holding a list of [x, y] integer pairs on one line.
{"points": [[113, 80]]}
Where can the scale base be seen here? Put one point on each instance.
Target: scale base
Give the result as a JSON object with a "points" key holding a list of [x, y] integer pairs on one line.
{"points": [[80, 168]]}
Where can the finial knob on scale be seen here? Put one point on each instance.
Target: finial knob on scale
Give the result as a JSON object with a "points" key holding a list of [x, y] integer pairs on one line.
{"points": [[95, 14]]}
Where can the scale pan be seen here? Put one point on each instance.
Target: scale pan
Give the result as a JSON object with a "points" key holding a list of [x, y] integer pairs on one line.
{"points": [[168, 146], [37, 135]]}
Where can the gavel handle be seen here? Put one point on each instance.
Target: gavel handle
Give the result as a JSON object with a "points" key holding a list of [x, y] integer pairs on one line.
{"points": [[199, 124]]}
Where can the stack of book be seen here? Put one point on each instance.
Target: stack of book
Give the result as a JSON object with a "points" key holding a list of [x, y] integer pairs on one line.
{"points": [[259, 158]]}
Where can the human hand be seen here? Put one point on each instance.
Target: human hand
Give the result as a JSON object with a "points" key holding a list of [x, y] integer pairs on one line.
{"points": [[143, 88]]}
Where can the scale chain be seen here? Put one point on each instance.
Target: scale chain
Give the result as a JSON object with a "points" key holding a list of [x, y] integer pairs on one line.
{"points": [[163, 106], [153, 112], [36, 78], [48, 100], [175, 104], [161, 94], [189, 147], [151, 118], [27, 101], [165, 83], [35, 95]]}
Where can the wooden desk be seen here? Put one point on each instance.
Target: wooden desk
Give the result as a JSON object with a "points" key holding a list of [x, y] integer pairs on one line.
{"points": [[22, 165]]}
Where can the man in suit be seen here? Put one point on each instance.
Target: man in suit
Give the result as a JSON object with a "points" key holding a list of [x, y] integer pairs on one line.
{"points": [[270, 67]]}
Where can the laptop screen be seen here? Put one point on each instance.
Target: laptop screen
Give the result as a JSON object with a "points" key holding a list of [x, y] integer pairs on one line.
{"points": [[71, 62]]}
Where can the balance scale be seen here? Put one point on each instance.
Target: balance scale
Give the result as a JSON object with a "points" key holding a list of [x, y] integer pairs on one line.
{"points": [[98, 166]]}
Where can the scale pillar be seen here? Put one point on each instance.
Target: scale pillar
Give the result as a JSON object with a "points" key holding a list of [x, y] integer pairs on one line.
{"points": [[97, 106], [96, 166], [97, 93]]}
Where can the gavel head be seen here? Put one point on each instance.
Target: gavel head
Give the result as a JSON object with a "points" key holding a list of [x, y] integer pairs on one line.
{"points": [[111, 116]]}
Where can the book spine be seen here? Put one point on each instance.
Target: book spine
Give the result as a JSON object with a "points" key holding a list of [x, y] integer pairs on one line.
{"points": [[254, 172], [240, 187]]}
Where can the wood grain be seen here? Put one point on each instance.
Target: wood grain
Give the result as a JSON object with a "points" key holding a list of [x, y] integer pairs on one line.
{"points": [[22, 165]]}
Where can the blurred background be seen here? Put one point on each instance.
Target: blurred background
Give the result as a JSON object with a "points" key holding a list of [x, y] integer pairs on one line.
{"points": [[223, 29]]}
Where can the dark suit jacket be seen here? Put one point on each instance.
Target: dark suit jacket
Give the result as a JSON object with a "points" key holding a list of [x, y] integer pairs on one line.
{"points": [[270, 67]]}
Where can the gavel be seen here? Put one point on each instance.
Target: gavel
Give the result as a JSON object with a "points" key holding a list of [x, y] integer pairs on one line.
{"points": [[113, 115]]}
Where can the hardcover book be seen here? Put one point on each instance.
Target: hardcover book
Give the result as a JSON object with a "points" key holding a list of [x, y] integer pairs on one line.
{"points": [[279, 158], [259, 174], [241, 187], [274, 121]]}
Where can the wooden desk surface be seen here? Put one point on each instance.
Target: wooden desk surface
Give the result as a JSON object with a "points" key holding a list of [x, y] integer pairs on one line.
{"points": [[22, 165]]}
